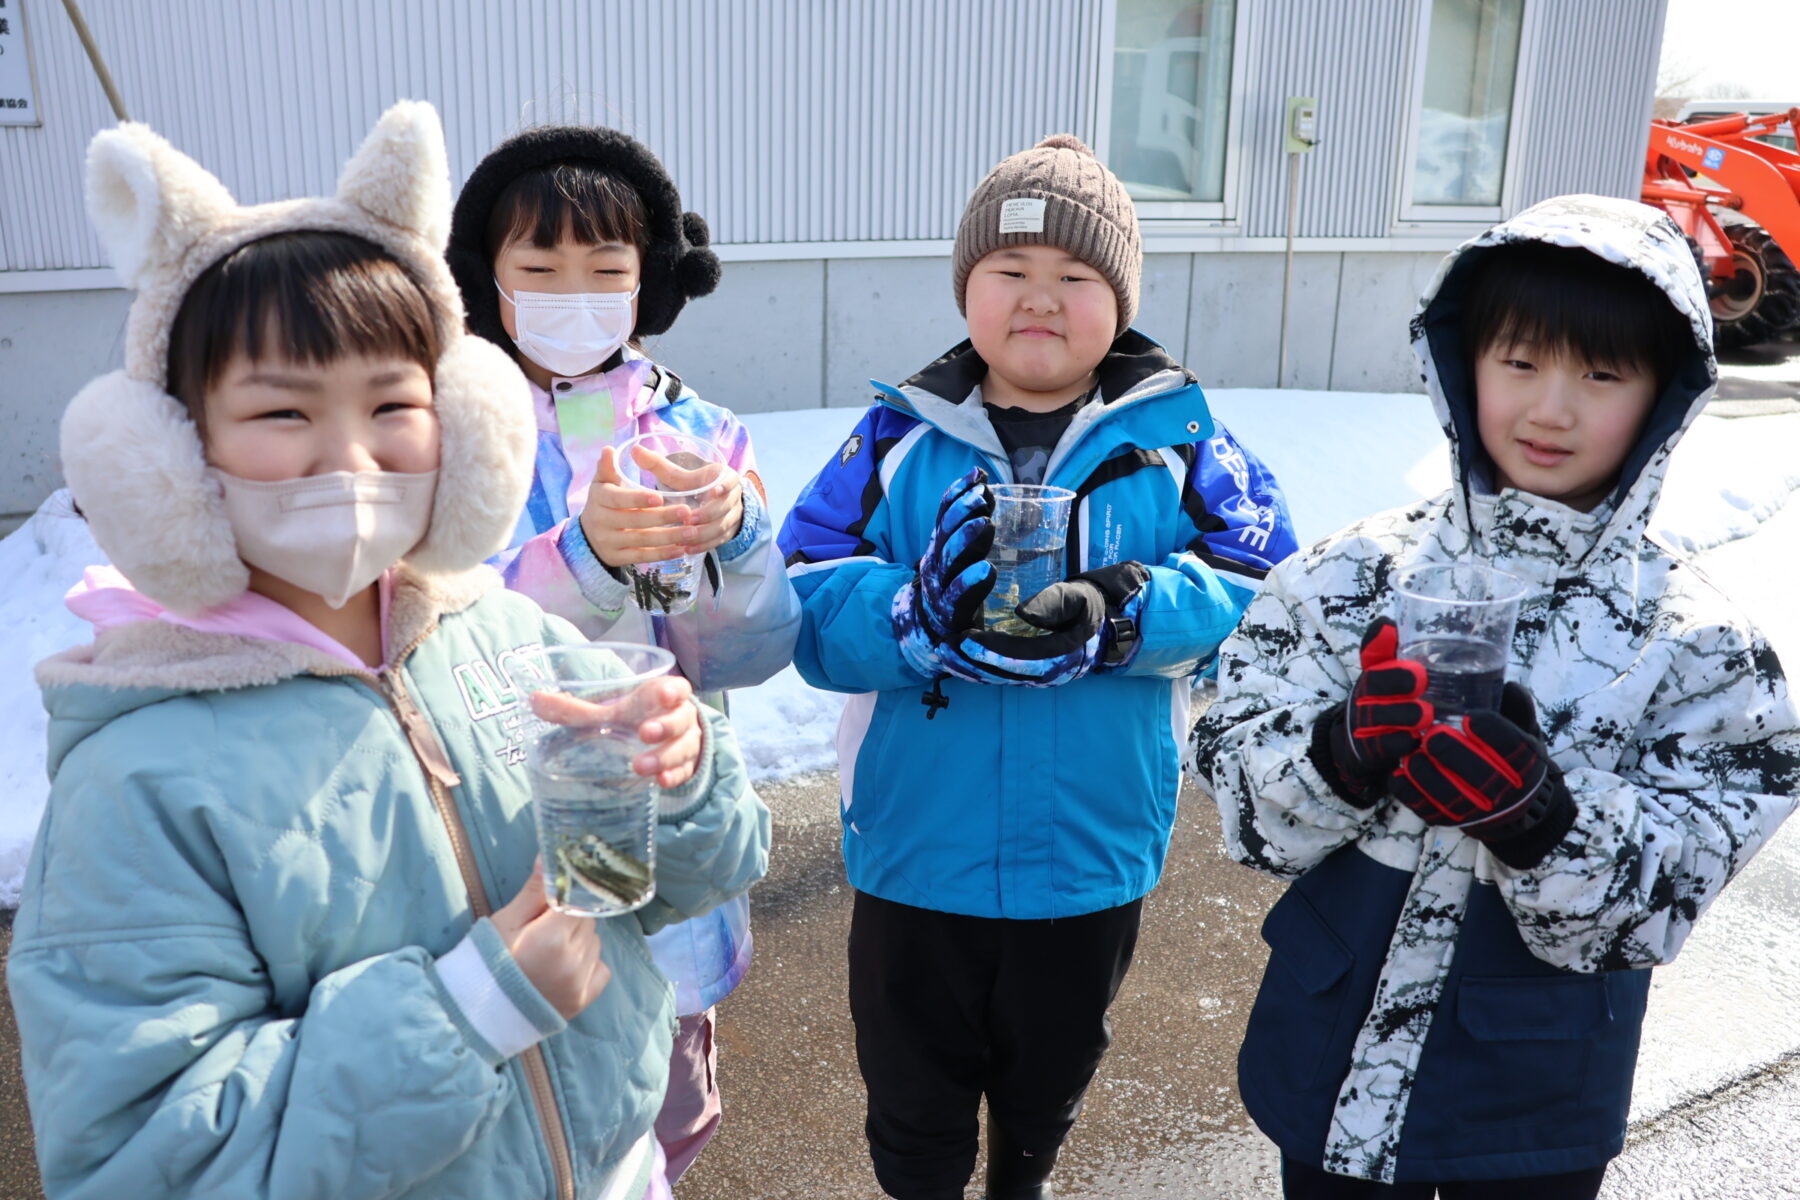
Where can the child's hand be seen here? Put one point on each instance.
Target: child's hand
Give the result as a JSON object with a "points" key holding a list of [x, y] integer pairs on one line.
{"points": [[943, 602], [1081, 621], [624, 523], [954, 574], [1382, 721], [662, 711], [719, 516], [559, 953], [1489, 775]]}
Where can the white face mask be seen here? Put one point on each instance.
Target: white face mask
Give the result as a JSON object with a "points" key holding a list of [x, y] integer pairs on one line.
{"points": [[569, 335], [333, 534]]}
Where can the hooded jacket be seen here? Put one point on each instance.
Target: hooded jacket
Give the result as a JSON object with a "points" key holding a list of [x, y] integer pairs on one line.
{"points": [[1016, 801], [231, 965], [252, 959], [1430, 1012]]}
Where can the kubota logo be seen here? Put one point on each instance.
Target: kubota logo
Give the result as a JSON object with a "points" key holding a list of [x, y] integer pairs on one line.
{"points": [[1676, 143]]}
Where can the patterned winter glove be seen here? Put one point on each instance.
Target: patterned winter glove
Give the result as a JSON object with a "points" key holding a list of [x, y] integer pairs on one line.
{"points": [[1090, 621], [943, 601], [1356, 744], [1492, 778]]}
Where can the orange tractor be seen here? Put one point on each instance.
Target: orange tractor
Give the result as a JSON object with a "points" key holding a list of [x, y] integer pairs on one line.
{"points": [[1738, 200]]}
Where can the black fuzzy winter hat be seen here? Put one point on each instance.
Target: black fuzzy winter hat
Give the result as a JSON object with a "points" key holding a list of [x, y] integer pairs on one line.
{"points": [[677, 266]]}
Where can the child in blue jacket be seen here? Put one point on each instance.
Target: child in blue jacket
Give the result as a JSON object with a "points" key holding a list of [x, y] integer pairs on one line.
{"points": [[1007, 800]]}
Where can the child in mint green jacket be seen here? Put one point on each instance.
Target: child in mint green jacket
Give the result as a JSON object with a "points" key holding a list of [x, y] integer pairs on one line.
{"points": [[281, 933]]}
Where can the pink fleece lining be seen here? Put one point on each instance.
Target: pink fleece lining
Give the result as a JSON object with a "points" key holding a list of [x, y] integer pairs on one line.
{"points": [[106, 599]]}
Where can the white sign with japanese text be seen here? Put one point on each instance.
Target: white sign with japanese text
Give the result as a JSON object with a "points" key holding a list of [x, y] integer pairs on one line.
{"points": [[18, 95]]}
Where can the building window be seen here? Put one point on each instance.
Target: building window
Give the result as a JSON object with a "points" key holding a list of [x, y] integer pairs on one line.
{"points": [[1468, 70], [1170, 132]]}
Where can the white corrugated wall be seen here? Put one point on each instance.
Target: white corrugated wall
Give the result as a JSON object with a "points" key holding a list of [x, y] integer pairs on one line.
{"points": [[1354, 58], [1587, 111], [783, 121]]}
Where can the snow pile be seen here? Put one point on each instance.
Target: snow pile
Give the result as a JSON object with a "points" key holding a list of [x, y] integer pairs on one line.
{"points": [[1339, 455], [39, 563]]}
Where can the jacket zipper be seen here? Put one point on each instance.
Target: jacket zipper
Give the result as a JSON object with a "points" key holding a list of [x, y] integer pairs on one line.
{"points": [[440, 776]]}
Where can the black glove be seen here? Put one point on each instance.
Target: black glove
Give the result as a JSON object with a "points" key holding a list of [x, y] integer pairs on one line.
{"points": [[1090, 621], [1356, 744], [1491, 777]]}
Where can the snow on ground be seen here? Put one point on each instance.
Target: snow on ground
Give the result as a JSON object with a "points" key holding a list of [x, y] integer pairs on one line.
{"points": [[39, 562], [1339, 455]]}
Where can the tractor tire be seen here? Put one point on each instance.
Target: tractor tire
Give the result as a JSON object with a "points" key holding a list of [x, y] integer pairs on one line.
{"points": [[1762, 301]]}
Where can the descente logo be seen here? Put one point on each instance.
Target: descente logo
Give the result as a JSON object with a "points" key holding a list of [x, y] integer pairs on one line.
{"points": [[1676, 143]]}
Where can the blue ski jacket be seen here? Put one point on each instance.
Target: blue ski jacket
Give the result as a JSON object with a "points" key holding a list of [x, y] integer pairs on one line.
{"points": [[1026, 802]]}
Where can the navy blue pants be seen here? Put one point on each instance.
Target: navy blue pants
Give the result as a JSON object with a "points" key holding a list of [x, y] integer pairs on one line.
{"points": [[950, 1008], [1301, 1182]]}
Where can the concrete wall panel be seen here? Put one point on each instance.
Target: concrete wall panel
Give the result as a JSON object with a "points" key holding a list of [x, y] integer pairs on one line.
{"points": [[1163, 300], [885, 318], [51, 344], [1376, 301], [758, 343], [1234, 319]]}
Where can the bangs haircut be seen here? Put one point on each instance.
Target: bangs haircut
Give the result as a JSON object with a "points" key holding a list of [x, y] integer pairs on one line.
{"points": [[581, 201], [308, 297], [1564, 300]]}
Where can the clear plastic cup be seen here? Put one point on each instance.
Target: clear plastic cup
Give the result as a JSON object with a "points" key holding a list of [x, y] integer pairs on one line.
{"points": [[1457, 619], [1031, 530], [596, 817], [669, 586]]}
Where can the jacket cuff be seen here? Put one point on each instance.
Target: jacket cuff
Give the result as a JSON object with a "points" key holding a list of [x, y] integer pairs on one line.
{"points": [[1363, 795], [497, 1008], [677, 804], [599, 586], [755, 517], [1531, 847]]}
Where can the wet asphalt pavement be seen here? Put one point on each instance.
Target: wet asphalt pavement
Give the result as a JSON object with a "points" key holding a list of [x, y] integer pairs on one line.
{"points": [[1162, 1119]]}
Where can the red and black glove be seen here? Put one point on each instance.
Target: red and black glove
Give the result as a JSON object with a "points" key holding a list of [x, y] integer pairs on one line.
{"points": [[1357, 744], [1491, 776]]}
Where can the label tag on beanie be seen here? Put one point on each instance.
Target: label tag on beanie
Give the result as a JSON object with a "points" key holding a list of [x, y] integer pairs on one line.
{"points": [[1022, 215]]}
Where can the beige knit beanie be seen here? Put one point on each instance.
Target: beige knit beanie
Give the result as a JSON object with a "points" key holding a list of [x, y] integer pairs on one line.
{"points": [[1055, 194]]}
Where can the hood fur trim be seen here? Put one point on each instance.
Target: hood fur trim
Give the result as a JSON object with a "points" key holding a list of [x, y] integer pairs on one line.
{"points": [[135, 463], [155, 655]]}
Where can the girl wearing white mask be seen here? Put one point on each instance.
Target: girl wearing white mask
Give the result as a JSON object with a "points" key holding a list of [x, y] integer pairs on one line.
{"points": [[570, 244], [281, 934]]}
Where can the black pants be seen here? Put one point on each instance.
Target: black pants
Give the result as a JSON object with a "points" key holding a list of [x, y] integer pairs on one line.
{"points": [[1301, 1182], [950, 1008]]}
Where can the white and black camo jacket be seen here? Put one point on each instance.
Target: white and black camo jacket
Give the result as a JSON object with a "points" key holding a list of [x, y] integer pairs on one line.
{"points": [[1665, 708]]}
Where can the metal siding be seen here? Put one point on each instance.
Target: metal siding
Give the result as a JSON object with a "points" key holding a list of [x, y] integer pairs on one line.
{"points": [[782, 120], [1354, 58], [1588, 108]]}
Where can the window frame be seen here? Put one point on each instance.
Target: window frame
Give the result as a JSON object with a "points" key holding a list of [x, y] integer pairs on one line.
{"points": [[1409, 215], [1183, 216]]}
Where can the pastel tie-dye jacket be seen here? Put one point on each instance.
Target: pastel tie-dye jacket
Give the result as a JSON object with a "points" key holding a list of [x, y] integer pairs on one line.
{"points": [[736, 637]]}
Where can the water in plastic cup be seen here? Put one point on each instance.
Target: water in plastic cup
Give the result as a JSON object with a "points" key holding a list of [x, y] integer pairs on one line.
{"points": [[668, 587], [1457, 619], [1031, 529], [596, 817]]}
